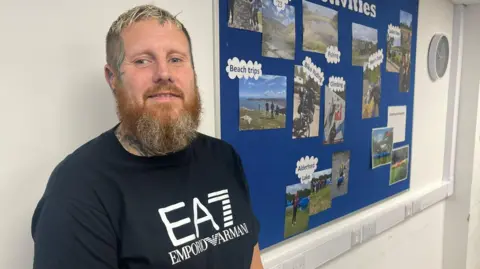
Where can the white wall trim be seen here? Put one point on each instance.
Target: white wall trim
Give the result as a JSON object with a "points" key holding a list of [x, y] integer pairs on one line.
{"points": [[456, 61], [216, 59], [323, 244]]}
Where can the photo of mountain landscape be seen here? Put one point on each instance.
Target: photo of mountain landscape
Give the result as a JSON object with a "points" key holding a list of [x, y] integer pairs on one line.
{"points": [[278, 39], [320, 27]]}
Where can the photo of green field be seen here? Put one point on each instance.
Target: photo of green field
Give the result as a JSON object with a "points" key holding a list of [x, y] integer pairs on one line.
{"points": [[320, 27], [399, 168], [365, 43], [382, 144], [321, 195]]}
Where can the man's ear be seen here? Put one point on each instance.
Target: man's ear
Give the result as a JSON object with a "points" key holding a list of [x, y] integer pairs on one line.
{"points": [[110, 77]]}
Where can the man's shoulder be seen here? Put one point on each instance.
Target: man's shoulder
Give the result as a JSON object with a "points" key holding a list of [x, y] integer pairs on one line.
{"points": [[214, 145], [76, 169], [87, 153]]}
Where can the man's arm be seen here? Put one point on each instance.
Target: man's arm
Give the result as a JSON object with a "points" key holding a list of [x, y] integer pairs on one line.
{"points": [[71, 234], [256, 259]]}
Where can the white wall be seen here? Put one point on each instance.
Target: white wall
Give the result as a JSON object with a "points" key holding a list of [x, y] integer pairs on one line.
{"points": [[417, 243], [52, 68]]}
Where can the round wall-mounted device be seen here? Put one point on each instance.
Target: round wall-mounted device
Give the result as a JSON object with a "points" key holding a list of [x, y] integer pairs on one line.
{"points": [[438, 56]]}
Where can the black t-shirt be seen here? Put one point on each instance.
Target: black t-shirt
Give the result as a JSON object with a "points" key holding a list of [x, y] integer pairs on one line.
{"points": [[106, 208]]}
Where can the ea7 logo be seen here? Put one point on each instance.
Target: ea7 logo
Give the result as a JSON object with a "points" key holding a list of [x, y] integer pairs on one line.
{"points": [[215, 197]]}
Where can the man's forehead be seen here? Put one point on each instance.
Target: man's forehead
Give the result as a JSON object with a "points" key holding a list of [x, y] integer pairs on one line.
{"points": [[142, 34], [151, 29], [152, 25]]}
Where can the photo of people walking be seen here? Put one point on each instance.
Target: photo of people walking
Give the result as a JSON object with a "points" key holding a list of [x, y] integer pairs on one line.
{"points": [[297, 209], [321, 196], [394, 54], [372, 92], [262, 103], [405, 70]]}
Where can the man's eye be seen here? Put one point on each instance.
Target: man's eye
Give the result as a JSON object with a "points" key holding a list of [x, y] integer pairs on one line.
{"points": [[176, 60], [141, 61]]}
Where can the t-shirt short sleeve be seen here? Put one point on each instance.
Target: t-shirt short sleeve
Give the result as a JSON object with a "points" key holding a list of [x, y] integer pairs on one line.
{"points": [[71, 232]]}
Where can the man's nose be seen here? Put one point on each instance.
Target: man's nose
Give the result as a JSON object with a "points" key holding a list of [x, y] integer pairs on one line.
{"points": [[162, 72]]}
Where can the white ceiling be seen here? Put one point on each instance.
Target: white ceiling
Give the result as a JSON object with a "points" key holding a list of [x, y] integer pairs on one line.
{"points": [[466, 2]]}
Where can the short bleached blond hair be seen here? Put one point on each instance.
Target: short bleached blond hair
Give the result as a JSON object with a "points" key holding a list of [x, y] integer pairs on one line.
{"points": [[114, 41]]}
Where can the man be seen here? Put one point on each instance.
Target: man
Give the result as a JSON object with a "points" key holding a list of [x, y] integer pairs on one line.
{"points": [[307, 106], [295, 208], [302, 96], [231, 12], [256, 6], [310, 104], [375, 96], [151, 192]]}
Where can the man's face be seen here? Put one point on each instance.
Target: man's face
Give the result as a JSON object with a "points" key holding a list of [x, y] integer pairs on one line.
{"points": [[156, 91]]}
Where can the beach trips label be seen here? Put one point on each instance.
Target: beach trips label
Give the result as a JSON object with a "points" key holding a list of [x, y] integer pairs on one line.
{"points": [[306, 166], [313, 71], [394, 31], [333, 55], [237, 68], [281, 4], [337, 84], [375, 60]]}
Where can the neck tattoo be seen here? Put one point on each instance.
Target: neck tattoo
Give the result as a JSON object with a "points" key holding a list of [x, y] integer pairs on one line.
{"points": [[131, 144]]}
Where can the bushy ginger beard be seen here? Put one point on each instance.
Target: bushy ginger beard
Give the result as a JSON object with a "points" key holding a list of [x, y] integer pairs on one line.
{"points": [[159, 128]]}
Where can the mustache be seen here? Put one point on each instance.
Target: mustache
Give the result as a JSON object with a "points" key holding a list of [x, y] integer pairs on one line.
{"points": [[164, 88]]}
